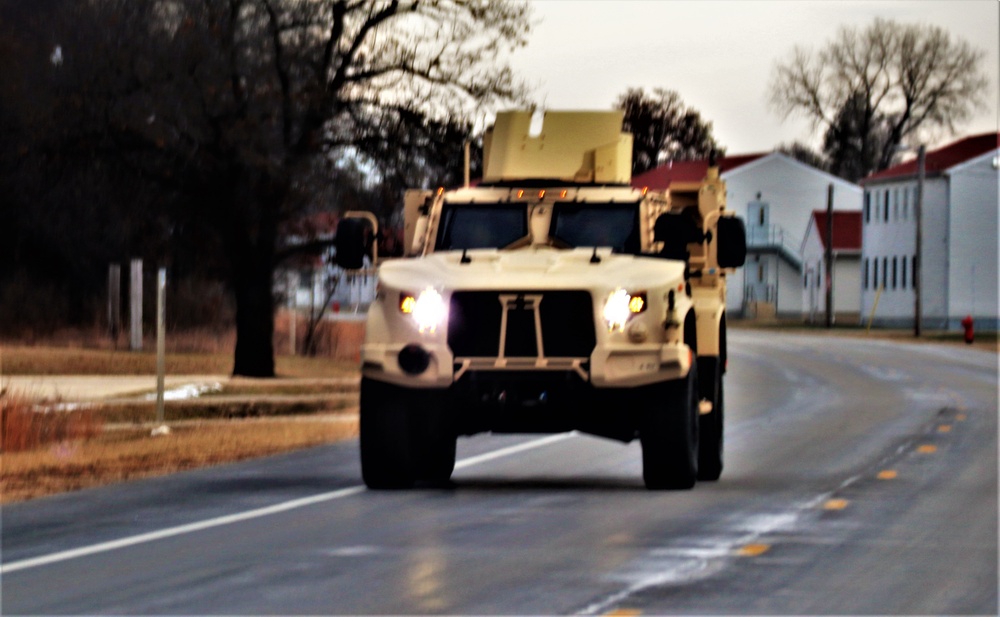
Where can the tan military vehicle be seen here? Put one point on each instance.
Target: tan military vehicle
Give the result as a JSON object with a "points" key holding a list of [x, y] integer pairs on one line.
{"points": [[551, 297]]}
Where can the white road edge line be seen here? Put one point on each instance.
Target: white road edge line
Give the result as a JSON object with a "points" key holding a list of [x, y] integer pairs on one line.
{"points": [[171, 532]]}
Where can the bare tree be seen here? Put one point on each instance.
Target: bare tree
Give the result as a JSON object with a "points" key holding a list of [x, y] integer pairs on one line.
{"points": [[880, 85], [227, 103], [663, 128]]}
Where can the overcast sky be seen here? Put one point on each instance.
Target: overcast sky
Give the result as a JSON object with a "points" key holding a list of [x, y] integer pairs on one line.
{"points": [[718, 55]]}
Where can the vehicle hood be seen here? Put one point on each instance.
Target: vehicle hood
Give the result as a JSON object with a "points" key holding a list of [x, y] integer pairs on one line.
{"points": [[530, 268]]}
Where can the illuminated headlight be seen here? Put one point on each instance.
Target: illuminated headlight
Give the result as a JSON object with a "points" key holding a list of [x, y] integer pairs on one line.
{"points": [[620, 306], [428, 309]]}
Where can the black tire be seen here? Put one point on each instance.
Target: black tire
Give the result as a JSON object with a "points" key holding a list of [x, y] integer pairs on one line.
{"points": [[387, 457], [405, 436], [710, 425], [433, 439], [669, 435]]}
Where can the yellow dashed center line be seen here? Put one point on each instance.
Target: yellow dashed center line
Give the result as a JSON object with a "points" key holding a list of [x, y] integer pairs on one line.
{"points": [[753, 550], [835, 504], [944, 428], [927, 449], [887, 474], [623, 612], [961, 417]]}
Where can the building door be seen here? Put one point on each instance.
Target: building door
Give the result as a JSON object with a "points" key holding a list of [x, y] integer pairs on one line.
{"points": [[758, 222], [758, 289]]}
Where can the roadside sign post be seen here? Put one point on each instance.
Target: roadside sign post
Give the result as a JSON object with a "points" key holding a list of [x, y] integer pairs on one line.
{"points": [[161, 331], [135, 306]]}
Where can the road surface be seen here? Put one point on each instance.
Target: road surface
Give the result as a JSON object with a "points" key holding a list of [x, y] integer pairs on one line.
{"points": [[861, 477]]}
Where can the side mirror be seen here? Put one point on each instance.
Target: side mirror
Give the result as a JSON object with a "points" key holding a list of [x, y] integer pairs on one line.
{"points": [[676, 230], [731, 242], [353, 240]]}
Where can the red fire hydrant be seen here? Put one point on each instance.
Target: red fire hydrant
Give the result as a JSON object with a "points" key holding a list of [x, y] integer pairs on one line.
{"points": [[969, 331]]}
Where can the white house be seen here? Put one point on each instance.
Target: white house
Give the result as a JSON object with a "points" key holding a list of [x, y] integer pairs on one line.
{"points": [[776, 195], [846, 280], [959, 241]]}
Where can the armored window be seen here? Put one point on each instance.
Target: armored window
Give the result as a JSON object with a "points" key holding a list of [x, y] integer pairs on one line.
{"points": [[597, 224], [475, 226]]}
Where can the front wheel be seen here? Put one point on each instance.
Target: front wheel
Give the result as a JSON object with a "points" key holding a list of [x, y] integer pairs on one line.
{"points": [[387, 457], [405, 436], [669, 435]]}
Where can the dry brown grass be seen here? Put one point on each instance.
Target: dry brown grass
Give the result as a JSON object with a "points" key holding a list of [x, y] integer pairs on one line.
{"points": [[46, 453], [122, 455], [36, 360], [24, 426]]}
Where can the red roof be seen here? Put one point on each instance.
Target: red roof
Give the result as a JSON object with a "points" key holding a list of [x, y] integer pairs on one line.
{"points": [[661, 177], [944, 158], [846, 229]]}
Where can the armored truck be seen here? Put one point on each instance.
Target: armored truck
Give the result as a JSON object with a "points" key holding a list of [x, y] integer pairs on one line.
{"points": [[552, 296]]}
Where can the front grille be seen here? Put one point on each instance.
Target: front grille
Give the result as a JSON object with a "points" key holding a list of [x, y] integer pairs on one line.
{"points": [[494, 324]]}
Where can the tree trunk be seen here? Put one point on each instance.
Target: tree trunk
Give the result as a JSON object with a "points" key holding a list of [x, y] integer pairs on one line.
{"points": [[254, 355], [251, 246]]}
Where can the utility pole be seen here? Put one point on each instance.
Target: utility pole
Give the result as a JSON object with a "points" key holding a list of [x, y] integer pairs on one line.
{"points": [[829, 256], [917, 260]]}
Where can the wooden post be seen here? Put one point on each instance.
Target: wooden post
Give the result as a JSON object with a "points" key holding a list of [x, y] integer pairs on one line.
{"points": [[114, 303]]}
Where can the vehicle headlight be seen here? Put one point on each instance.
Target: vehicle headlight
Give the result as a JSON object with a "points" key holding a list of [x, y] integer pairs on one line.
{"points": [[620, 306], [427, 309]]}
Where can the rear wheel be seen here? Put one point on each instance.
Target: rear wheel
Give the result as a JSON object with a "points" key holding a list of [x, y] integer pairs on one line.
{"points": [[669, 435], [710, 425]]}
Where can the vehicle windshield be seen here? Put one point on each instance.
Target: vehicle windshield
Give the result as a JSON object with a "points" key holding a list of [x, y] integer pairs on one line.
{"points": [[597, 224], [477, 226]]}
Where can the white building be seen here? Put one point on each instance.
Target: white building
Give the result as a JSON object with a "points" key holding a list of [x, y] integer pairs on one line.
{"points": [[846, 280], [776, 195], [959, 242]]}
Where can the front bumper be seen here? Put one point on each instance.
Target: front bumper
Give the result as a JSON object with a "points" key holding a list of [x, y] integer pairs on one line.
{"points": [[609, 366]]}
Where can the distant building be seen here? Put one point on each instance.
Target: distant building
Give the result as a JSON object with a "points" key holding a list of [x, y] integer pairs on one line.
{"points": [[776, 195], [846, 280], [959, 244]]}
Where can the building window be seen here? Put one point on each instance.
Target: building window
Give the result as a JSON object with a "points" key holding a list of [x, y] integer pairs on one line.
{"points": [[895, 204], [875, 274], [893, 272], [885, 272], [902, 277], [864, 275], [886, 218], [819, 273], [868, 207]]}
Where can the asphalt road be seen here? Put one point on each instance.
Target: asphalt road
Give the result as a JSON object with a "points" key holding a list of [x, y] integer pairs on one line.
{"points": [[861, 477]]}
